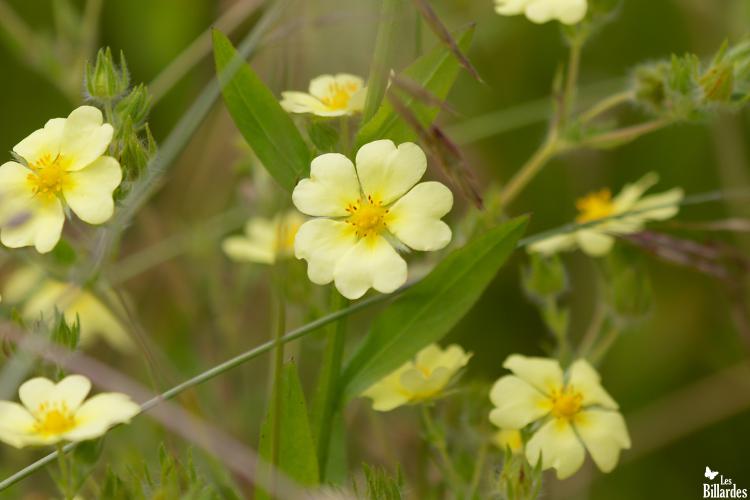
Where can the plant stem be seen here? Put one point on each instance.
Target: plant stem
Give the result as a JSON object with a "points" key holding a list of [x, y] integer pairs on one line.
{"points": [[278, 367], [571, 82], [605, 105], [327, 397], [623, 135], [530, 169], [62, 460], [437, 439], [592, 333], [478, 469], [604, 345]]}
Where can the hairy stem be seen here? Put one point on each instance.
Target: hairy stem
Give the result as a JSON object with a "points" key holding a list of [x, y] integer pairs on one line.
{"points": [[437, 439], [606, 104], [327, 397]]}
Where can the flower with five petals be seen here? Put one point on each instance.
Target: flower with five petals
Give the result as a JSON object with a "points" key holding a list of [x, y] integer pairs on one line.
{"points": [[420, 380], [541, 11], [53, 412], [364, 214], [64, 164], [569, 413], [626, 213], [329, 95]]}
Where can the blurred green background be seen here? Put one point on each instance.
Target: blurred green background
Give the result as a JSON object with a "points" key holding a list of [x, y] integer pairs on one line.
{"points": [[198, 308]]}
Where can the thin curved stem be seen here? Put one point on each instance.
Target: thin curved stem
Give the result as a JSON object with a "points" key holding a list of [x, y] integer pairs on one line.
{"points": [[605, 105], [529, 170]]}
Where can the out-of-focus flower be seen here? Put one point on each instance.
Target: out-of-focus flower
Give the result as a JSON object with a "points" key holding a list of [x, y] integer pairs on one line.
{"points": [[597, 239], [573, 411], [508, 438], [265, 240], [41, 296], [366, 214], [64, 163], [541, 11], [51, 412], [329, 95], [418, 380]]}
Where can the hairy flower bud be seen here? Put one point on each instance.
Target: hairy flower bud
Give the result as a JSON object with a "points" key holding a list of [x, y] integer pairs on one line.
{"points": [[105, 80]]}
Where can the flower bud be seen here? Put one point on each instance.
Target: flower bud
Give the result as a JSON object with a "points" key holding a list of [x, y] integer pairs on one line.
{"points": [[135, 106], [105, 80]]}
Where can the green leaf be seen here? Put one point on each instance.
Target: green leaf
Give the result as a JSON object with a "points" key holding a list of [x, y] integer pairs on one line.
{"points": [[430, 309], [435, 72], [297, 458], [263, 123]]}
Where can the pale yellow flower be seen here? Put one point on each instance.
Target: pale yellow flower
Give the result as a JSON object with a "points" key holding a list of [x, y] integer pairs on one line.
{"points": [[422, 379], [51, 413], [541, 11], [572, 412], [265, 240], [365, 212], [508, 438], [329, 95], [597, 239], [64, 165], [41, 296]]}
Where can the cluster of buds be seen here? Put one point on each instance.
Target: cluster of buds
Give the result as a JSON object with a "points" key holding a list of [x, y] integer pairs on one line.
{"points": [[127, 108], [685, 89]]}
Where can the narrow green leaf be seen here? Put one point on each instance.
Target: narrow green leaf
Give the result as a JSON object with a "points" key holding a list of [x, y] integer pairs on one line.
{"points": [[428, 311], [259, 117], [435, 72], [297, 458]]}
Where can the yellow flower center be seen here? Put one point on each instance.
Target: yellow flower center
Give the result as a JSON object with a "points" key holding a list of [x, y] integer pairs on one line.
{"points": [[595, 206], [54, 419], [49, 176], [566, 403], [339, 95], [367, 216]]}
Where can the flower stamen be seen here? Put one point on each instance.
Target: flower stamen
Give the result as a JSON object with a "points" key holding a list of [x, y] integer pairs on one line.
{"points": [[595, 206], [54, 419], [339, 95], [566, 403], [367, 216], [49, 176]]}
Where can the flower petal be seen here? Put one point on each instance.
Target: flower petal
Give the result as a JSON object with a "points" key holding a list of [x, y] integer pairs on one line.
{"points": [[71, 390], [554, 244], [90, 192], [558, 446], [584, 378], [387, 172], [300, 102], [517, 403], [42, 142], [415, 218], [452, 357], [15, 424], [543, 373], [371, 263], [387, 393], [510, 7], [27, 219], [331, 187], [594, 243], [96, 321], [101, 412], [660, 206], [631, 193], [85, 137], [604, 433], [320, 86], [421, 387], [571, 11], [322, 243], [243, 249]]}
